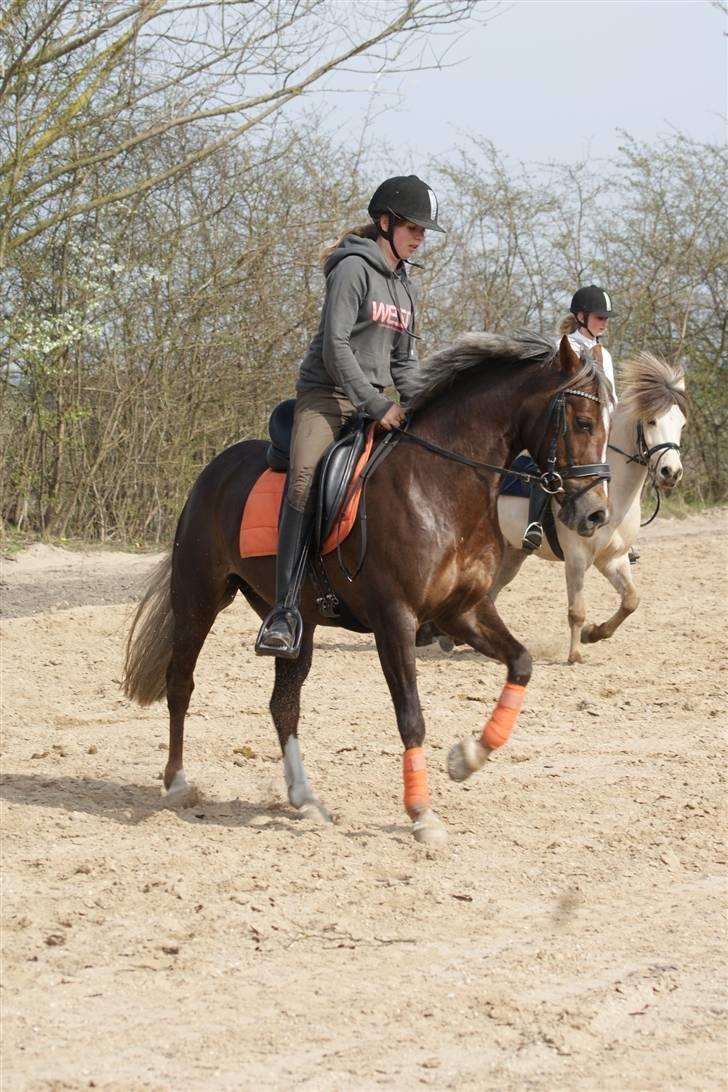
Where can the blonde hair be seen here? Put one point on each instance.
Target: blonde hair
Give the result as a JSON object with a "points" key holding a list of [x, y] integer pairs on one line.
{"points": [[568, 325], [363, 231]]}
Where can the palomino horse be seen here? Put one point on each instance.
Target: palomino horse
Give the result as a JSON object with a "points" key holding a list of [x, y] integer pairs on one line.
{"points": [[644, 439], [433, 550]]}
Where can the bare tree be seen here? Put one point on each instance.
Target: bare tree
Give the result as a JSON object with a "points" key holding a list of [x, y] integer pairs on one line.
{"points": [[85, 85]]}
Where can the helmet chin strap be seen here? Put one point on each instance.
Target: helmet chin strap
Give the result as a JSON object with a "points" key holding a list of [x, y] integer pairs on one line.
{"points": [[583, 326], [389, 234]]}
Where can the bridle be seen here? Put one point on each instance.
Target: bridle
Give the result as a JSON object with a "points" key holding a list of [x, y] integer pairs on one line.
{"points": [[645, 453], [642, 457], [550, 480]]}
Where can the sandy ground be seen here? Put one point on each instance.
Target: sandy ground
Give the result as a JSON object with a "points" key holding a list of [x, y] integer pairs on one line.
{"points": [[569, 937]]}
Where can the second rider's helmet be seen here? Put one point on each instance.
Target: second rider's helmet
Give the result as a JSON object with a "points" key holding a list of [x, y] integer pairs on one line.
{"points": [[408, 198], [592, 300]]}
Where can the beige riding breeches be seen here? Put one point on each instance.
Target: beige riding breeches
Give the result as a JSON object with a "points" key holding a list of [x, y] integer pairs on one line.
{"points": [[319, 417]]}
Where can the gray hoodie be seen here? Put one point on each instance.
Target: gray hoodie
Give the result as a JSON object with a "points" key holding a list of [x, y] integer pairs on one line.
{"points": [[362, 345]]}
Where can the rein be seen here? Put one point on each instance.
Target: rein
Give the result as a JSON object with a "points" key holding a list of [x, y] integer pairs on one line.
{"points": [[642, 457], [551, 480]]}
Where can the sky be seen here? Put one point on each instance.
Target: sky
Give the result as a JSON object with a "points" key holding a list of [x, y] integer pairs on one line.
{"points": [[557, 80]]}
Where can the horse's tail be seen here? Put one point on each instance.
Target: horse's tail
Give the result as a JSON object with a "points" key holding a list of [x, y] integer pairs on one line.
{"points": [[149, 644]]}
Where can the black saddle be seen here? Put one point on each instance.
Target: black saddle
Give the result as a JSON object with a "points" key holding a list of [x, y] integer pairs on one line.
{"points": [[335, 469]]}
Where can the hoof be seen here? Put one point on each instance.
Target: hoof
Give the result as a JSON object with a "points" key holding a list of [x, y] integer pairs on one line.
{"points": [[446, 644], [466, 757], [588, 633], [429, 830], [313, 812], [180, 793], [575, 657]]}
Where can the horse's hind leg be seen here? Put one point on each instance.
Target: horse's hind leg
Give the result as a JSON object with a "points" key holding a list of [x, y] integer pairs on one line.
{"points": [[619, 574], [285, 707], [484, 630], [194, 613]]}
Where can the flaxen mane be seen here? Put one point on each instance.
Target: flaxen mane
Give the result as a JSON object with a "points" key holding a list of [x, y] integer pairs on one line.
{"points": [[652, 386], [472, 350]]}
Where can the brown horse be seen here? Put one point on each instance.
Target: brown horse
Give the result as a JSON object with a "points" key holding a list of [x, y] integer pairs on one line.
{"points": [[433, 549]]}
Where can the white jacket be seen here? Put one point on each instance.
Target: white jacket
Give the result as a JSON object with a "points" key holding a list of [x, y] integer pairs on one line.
{"points": [[578, 341]]}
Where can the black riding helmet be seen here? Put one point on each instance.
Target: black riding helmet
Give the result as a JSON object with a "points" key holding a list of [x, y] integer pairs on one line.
{"points": [[405, 197], [592, 300], [408, 198]]}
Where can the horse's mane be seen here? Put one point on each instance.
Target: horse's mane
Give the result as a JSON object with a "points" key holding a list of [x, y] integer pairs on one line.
{"points": [[652, 386], [473, 350]]}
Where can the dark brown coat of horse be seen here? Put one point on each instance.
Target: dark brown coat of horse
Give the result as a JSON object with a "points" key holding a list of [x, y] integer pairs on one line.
{"points": [[432, 553]]}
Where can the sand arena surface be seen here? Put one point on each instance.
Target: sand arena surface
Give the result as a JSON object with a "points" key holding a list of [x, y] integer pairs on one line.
{"points": [[570, 936]]}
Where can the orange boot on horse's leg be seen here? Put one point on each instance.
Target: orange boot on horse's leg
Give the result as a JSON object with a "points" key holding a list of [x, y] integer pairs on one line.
{"points": [[394, 630], [484, 630]]}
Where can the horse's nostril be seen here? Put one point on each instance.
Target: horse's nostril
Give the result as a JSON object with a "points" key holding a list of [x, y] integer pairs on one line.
{"points": [[598, 518]]}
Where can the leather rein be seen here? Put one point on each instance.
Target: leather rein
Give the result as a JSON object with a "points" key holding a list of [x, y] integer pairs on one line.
{"points": [[550, 480]]}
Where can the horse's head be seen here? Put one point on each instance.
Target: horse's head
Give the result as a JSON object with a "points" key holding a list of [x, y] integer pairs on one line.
{"points": [[654, 394], [572, 448]]}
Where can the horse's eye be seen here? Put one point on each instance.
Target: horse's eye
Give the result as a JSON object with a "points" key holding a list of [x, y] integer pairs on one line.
{"points": [[585, 424], [652, 423]]}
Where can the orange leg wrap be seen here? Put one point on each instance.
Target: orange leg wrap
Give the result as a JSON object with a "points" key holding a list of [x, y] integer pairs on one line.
{"points": [[498, 729], [416, 792]]}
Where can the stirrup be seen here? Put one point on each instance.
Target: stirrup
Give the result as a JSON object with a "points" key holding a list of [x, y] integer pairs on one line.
{"points": [[284, 640], [532, 537]]}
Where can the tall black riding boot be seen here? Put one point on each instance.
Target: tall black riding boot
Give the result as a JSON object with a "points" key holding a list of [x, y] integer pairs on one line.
{"points": [[282, 629], [533, 535]]}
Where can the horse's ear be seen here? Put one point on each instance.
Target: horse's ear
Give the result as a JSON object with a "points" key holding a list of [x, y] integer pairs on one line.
{"points": [[570, 362]]}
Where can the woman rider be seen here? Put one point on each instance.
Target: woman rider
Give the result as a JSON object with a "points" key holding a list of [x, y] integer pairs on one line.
{"points": [[586, 323], [364, 343]]}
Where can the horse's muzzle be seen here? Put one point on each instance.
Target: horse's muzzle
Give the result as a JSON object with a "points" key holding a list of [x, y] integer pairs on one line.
{"points": [[592, 521], [587, 512], [667, 478]]}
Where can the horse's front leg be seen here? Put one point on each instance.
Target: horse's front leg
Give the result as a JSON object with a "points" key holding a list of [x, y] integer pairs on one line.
{"points": [[394, 629], [575, 570], [508, 570], [484, 630], [619, 574], [285, 707]]}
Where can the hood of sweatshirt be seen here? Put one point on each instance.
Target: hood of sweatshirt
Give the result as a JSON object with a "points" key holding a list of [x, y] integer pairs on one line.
{"points": [[364, 248]]}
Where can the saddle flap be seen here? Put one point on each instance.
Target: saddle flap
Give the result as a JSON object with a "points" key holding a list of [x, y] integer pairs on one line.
{"points": [[334, 474]]}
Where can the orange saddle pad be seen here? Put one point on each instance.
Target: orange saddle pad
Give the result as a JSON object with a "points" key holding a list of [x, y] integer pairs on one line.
{"points": [[259, 525]]}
